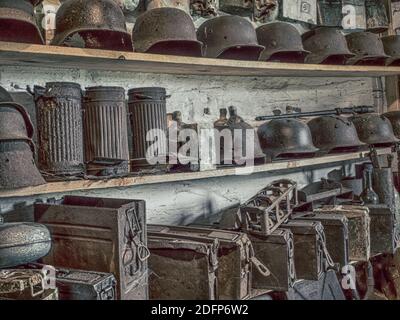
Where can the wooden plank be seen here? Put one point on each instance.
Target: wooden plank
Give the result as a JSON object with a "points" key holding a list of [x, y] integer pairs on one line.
{"points": [[17, 54], [67, 186]]}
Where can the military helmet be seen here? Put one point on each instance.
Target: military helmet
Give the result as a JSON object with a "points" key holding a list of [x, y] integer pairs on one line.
{"points": [[367, 47], [18, 23], [98, 24], [394, 118], [286, 138], [166, 31], [327, 46], [391, 45], [282, 42], [374, 129], [229, 37], [334, 134]]}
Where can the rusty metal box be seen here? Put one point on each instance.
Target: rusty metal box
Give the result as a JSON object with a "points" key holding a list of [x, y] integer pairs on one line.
{"points": [[99, 234]]}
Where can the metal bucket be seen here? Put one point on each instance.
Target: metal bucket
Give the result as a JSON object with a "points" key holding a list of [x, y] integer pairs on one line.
{"points": [[60, 129], [106, 131], [148, 111]]}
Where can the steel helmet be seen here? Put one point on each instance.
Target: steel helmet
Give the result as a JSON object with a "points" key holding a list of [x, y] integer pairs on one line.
{"points": [[282, 42], [334, 134], [394, 118], [166, 31], [286, 138], [17, 166], [18, 23], [367, 47], [374, 129], [391, 45], [98, 24], [229, 37], [327, 46]]}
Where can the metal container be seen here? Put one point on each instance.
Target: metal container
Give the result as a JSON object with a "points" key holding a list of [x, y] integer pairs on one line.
{"points": [[60, 129], [107, 235], [23, 243], [182, 269], [376, 16], [106, 131], [148, 111]]}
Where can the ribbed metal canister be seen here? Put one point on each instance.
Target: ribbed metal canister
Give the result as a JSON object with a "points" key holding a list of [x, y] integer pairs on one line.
{"points": [[148, 111], [60, 128], [106, 131]]}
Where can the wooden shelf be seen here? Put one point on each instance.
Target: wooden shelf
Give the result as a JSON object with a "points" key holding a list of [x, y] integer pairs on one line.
{"points": [[67, 186], [17, 54]]}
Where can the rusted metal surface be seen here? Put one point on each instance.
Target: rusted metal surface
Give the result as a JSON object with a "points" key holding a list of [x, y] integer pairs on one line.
{"points": [[282, 42], [182, 269], [327, 46], [106, 131], [334, 134], [286, 138], [391, 45], [108, 235], [60, 128], [96, 24], [18, 23], [376, 16], [237, 7], [236, 258], [336, 233], [330, 13], [15, 123], [166, 31], [368, 49], [394, 118], [204, 8], [148, 111], [23, 243], [17, 165], [229, 37], [276, 252], [374, 129], [311, 256], [271, 207], [359, 229], [265, 10]]}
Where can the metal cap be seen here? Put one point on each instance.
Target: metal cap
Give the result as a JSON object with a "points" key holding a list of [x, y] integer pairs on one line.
{"points": [[166, 31], [327, 46], [285, 138], [18, 23], [282, 42], [374, 129], [334, 134], [229, 37], [15, 122], [391, 44], [367, 47], [92, 24]]}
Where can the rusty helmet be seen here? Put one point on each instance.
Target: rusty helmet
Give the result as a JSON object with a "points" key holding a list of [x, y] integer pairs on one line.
{"points": [[374, 129], [327, 46], [229, 37], [98, 24], [286, 138], [18, 23], [166, 31], [334, 134], [394, 118], [367, 47], [391, 45], [282, 42], [17, 166]]}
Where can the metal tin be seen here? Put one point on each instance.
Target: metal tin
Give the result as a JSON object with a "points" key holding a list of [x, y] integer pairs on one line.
{"points": [[96, 24], [23, 243], [107, 235], [18, 23], [229, 37], [148, 111], [166, 31], [60, 128], [106, 131]]}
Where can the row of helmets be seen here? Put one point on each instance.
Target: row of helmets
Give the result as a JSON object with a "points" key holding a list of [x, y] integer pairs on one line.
{"points": [[101, 24], [287, 138]]}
